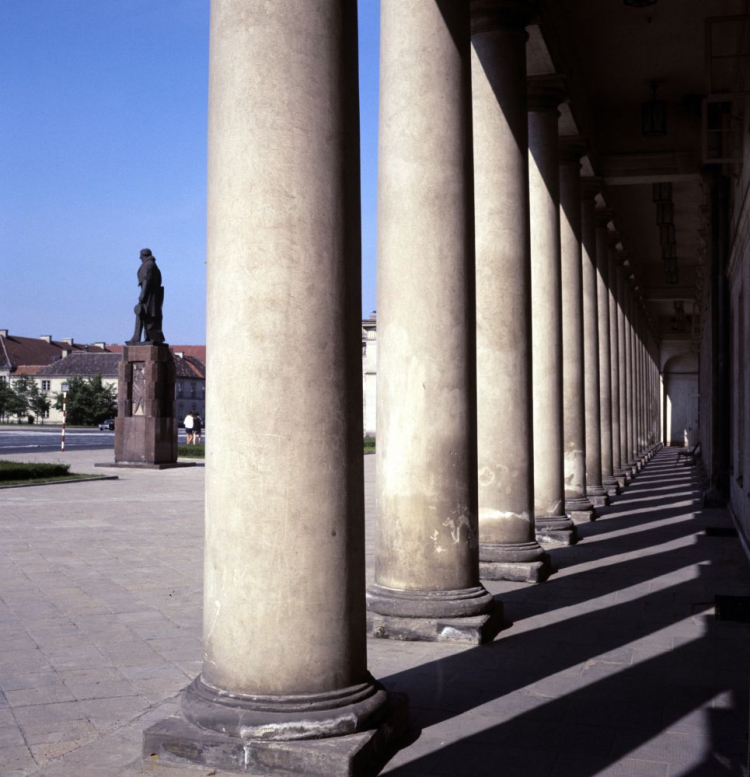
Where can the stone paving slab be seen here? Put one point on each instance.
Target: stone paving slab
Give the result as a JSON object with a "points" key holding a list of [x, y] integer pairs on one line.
{"points": [[616, 666]]}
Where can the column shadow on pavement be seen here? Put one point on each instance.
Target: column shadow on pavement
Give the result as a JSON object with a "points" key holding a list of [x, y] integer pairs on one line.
{"points": [[600, 707]]}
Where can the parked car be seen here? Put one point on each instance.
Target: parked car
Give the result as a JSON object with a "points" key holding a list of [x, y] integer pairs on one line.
{"points": [[108, 425]]}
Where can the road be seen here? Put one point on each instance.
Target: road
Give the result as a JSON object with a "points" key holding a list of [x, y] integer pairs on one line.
{"points": [[32, 440]]}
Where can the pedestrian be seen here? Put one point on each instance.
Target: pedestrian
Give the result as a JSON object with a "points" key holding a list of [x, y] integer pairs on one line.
{"points": [[197, 428], [189, 428]]}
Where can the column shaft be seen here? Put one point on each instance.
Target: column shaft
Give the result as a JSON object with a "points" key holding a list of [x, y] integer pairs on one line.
{"points": [[614, 341], [427, 562], [284, 546], [630, 370], [623, 362], [595, 491], [504, 414], [605, 367], [551, 523], [574, 421]]}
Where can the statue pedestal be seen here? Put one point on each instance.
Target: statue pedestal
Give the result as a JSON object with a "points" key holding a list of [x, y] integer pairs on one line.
{"points": [[145, 427]]}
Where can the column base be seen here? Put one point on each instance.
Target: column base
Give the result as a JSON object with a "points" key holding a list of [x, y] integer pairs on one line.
{"points": [[579, 510], [611, 485], [555, 529], [622, 478], [519, 572], [523, 562], [474, 630], [177, 742], [597, 495], [404, 603], [284, 717]]}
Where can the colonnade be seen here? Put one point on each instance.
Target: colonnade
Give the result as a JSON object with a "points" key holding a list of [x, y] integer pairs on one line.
{"points": [[516, 369]]}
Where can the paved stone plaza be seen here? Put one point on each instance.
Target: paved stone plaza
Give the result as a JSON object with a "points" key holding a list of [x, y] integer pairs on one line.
{"points": [[616, 666]]}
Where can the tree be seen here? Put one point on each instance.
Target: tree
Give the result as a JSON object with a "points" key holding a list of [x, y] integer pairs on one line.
{"points": [[89, 401], [22, 388], [39, 403], [7, 399]]}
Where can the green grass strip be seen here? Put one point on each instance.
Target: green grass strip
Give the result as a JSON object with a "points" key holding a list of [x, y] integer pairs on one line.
{"points": [[12, 471]]}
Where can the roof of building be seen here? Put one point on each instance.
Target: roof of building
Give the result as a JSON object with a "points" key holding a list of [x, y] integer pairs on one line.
{"points": [[87, 365], [83, 365], [17, 351]]}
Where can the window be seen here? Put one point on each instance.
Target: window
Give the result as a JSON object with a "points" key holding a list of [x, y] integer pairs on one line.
{"points": [[179, 388], [46, 385], [192, 388]]}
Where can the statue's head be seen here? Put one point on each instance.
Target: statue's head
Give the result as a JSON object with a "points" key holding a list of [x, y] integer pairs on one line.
{"points": [[146, 254]]}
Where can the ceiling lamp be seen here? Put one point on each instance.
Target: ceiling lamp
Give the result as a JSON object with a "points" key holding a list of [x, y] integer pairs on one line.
{"points": [[654, 116], [661, 192], [666, 234], [664, 213], [671, 272]]}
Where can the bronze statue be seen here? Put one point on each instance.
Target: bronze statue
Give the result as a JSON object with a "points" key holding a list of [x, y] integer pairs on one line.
{"points": [[148, 310]]}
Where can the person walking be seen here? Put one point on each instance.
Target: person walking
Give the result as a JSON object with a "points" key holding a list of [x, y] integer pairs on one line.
{"points": [[197, 428], [189, 422]]}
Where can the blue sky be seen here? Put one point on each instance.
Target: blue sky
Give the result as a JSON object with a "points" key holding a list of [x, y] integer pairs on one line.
{"points": [[103, 152]]}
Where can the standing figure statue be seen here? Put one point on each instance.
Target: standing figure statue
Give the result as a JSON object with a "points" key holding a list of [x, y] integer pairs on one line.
{"points": [[148, 310]]}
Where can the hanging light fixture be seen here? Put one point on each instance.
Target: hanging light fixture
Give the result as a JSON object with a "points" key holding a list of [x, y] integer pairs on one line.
{"points": [[664, 213], [661, 192], [671, 272], [666, 234], [654, 116]]}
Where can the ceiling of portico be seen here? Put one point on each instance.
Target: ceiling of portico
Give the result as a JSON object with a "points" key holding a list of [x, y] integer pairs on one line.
{"points": [[610, 53]]}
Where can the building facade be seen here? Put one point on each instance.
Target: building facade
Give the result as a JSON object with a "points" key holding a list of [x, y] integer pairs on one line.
{"points": [[52, 363]]}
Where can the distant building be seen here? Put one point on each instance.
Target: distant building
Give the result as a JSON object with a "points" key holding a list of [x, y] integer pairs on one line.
{"points": [[51, 363], [369, 372], [26, 355]]}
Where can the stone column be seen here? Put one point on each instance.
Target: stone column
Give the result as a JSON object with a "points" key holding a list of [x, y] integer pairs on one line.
{"points": [[285, 655], [552, 525], [640, 436], [618, 470], [595, 491], [508, 548], [603, 217], [630, 370], [622, 336], [427, 544], [577, 504]]}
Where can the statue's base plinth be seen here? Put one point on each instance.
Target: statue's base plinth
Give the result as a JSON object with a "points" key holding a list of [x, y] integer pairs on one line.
{"points": [[145, 427]]}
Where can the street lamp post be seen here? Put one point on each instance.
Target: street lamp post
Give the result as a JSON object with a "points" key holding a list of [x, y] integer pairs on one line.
{"points": [[65, 388]]}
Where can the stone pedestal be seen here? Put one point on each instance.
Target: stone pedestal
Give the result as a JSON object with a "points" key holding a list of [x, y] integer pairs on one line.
{"points": [[507, 545], [177, 742], [145, 427]]}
